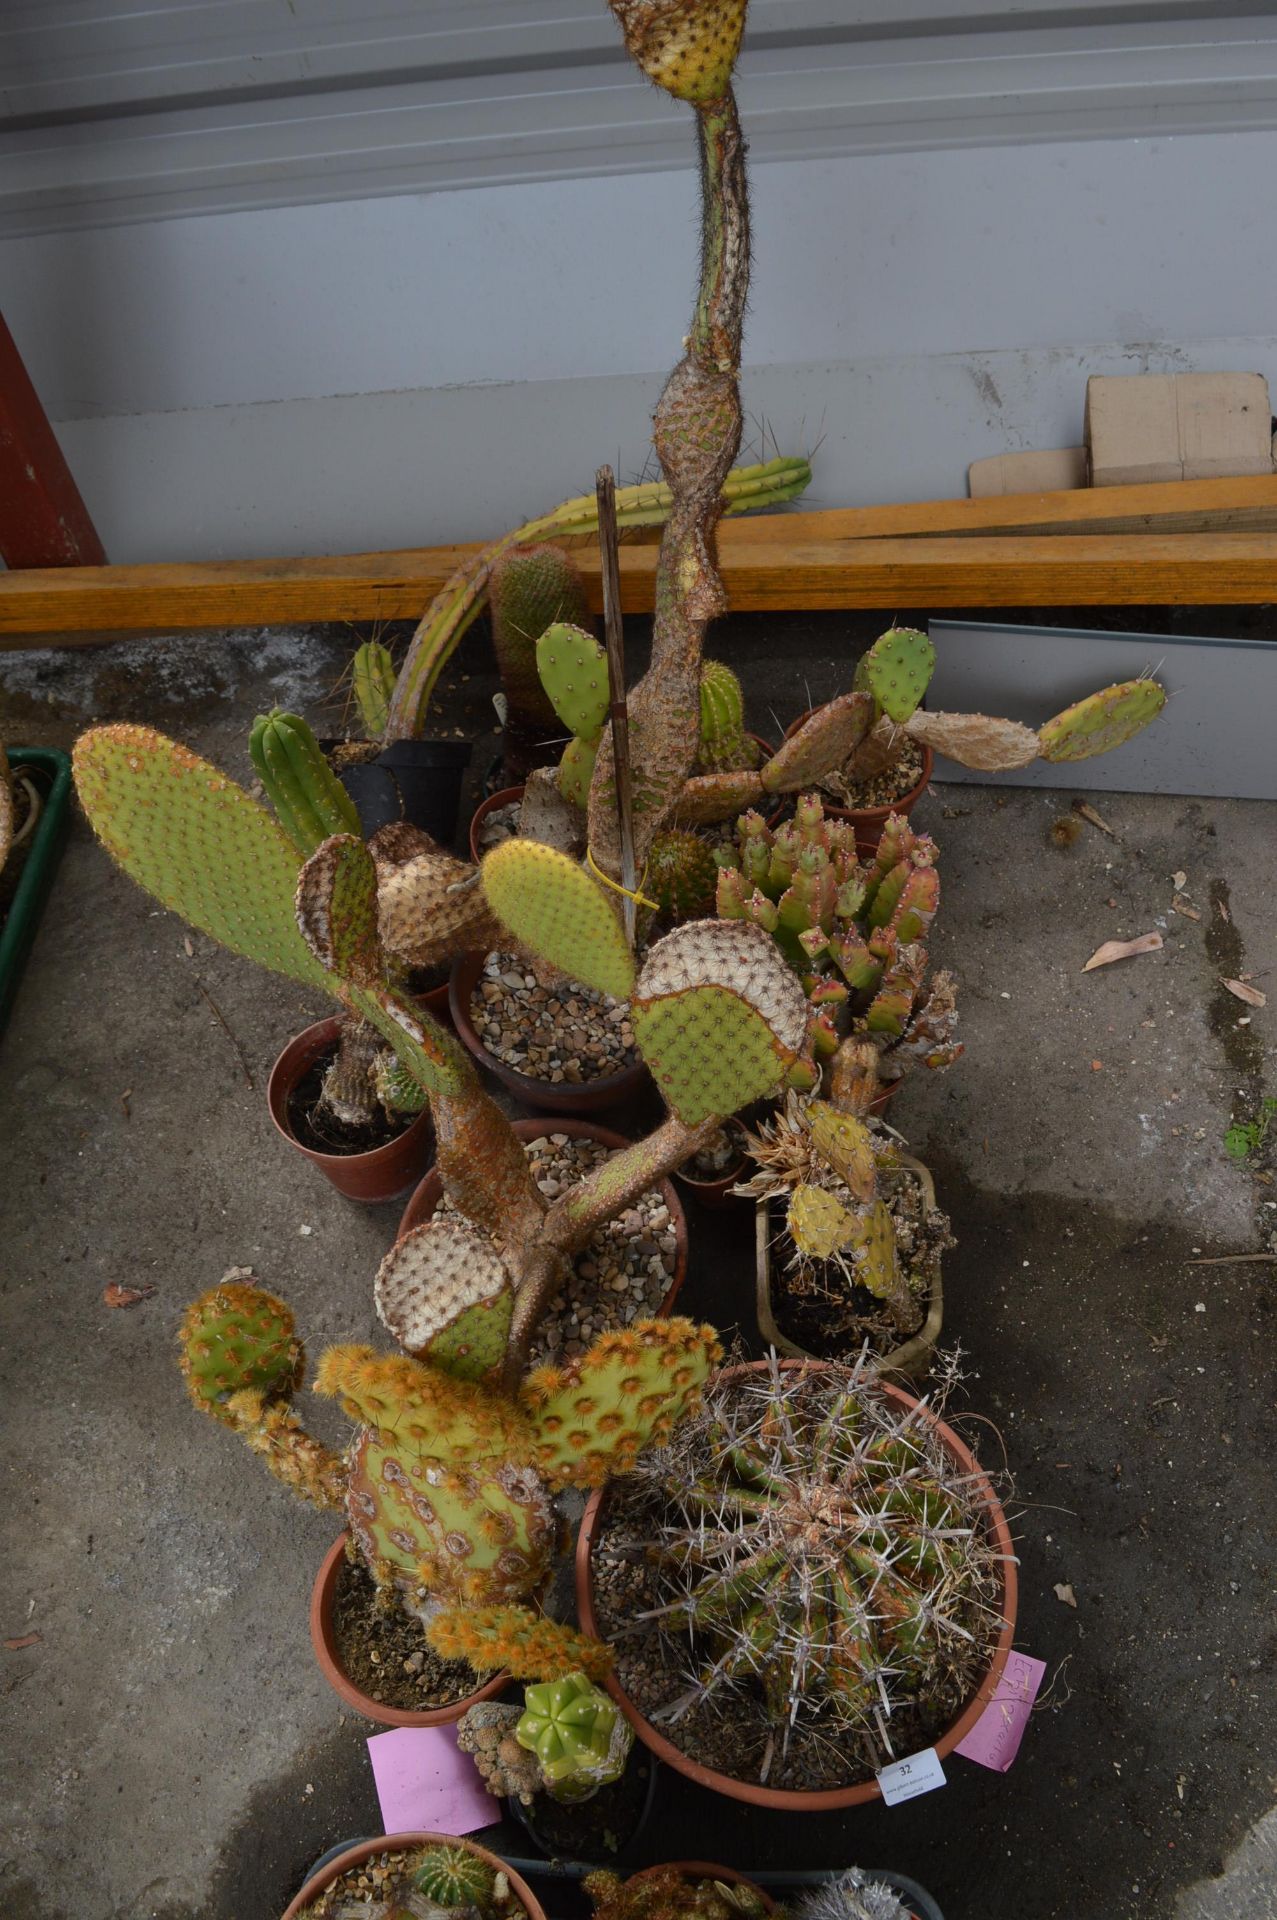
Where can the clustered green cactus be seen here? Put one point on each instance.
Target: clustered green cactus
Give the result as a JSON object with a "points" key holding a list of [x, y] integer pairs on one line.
{"points": [[667, 1893], [855, 931], [823, 1551]]}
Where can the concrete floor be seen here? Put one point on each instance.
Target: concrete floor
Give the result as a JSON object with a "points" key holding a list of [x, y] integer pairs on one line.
{"points": [[171, 1750]]}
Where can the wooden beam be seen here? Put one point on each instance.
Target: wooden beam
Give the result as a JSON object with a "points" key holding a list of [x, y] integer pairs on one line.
{"points": [[951, 571]]}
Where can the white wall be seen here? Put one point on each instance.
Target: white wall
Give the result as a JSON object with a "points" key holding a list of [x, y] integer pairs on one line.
{"points": [[315, 378]]}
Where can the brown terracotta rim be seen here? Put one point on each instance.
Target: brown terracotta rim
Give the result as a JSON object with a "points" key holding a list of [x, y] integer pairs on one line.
{"points": [[706, 1870], [405, 1843], [587, 1096], [380, 1174], [426, 1198], [322, 1597], [502, 798], [792, 1800], [913, 1356]]}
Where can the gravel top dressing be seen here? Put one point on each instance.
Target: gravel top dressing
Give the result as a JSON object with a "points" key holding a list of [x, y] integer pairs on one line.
{"points": [[566, 1035], [884, 788]]}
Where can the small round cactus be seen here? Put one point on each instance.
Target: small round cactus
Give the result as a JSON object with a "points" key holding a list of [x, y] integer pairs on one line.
{"points": [[237, 1337], [455, 1876]]}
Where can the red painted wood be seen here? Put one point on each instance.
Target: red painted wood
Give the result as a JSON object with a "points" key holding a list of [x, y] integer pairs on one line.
{"points": [[43, 520]]}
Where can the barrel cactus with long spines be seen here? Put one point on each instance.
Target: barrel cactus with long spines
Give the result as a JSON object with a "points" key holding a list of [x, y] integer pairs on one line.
{"points": [[725, 746], [818, 1545]]}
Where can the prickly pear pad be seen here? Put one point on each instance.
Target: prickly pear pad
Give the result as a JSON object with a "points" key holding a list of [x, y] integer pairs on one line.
{"points": [[573, 670], [236, 1337], [444, 1292], [976, 740], [898, 669], [1102, 721], [195, 840], [553, 907], [686, 47], [337, 910]]}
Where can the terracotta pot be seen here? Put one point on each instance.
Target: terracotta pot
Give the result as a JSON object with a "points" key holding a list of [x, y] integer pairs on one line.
{"points": [[588, 1096], [870, 821], [911, 1360], [380, 1174], [792, 1800], [405, 1842], [322, 1598], [424, 1201], [706, 1870], [481, 812], [714, 1194], [435, 1002]]}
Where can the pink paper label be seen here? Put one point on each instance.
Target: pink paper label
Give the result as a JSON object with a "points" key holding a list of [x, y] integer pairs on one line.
{"points": [[995, 1738], [425, 1784]]}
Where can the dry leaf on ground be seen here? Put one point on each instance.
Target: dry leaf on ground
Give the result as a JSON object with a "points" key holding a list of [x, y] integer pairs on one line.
{"points": [[1251, 995], [117, 1296], [1066, 1594], [1089, 813], [1179, 879], [26, 1640], [1122, 950], [1180, 905]]}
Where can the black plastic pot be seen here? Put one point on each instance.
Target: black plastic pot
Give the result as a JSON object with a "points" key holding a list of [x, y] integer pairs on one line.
{"points": [[645, 1764], [414, 780], [29, 871]]}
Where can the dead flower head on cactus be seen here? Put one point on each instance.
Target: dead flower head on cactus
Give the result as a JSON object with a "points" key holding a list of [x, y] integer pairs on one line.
{"points": [[817, 1548]]}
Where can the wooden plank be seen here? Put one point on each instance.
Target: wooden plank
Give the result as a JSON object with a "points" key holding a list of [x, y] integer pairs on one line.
{"points": [[954, 571]]}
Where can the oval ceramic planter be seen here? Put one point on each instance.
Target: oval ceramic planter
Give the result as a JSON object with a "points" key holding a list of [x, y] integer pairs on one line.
{"points": [[322, 1597], [426, 1198], [586, 1096], [911, 1360], [791, 1800], [381, 1174], [869, 822], [405, 1843]]}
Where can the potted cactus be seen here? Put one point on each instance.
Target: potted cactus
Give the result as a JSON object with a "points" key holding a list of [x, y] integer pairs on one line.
{"points": [[677, 1890], [822, 1579], [415, 1876]]}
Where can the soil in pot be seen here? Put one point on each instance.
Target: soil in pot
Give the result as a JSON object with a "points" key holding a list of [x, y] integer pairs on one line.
{"points": [[567, 1036], [883, 789], [821, 1310], [378, 1882], [731, 1730], [597, 1829], [624, 1271], [383, 1650], [313, 1126]]}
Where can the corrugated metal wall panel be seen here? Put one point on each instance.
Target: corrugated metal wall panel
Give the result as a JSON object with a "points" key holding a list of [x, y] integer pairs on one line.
{"points": [[121, 113]]}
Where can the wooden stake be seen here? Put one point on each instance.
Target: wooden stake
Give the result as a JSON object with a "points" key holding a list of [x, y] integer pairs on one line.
{"points": [[614, 635]]}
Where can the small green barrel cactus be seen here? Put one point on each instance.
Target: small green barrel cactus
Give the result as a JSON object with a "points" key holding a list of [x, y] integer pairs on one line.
{"points": [[681, 876], [373, 680], [532, 588], [571, 1726], [455, 1876], [309, 800], [725, 747]]}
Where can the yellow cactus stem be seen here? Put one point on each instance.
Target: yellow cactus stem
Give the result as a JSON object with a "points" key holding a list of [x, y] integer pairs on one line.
{"points": [[518, 1641], [412, 1400], [846, 1145], [553, 908], [686, 47], [292, 1455], [819, 1225]]}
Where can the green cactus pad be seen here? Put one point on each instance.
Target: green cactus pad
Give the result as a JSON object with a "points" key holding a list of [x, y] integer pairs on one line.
{"points": [[710, 797], [821, 745], [686, 47], [592, 1417], [307, 796], [975, 740], [576, 770], [373, 680], [718, 1016], [845, 1144], [552, 906], [818, 1223], [196, 841], [237, 1337], [518, 1641], [898, 669], [452, 1874], [532, 587], [1102, 721], [573, 670], [419, 1405], [337, 910], [445, 1294]]}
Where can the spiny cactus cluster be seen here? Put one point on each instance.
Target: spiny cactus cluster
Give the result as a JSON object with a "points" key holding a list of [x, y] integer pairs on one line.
{"points": [[896, 672], [533, 587], [855, 932], [669, 1894], [851, 1896], [818, 1547], [446, 1486]]}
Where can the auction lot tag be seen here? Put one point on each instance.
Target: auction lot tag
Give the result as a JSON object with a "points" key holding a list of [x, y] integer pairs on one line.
{"points": [[906, 1779], [995, 1738]]}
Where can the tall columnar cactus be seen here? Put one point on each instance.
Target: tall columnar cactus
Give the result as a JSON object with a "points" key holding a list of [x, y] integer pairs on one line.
{"points": [[309, 800], [855, 932], [372, 673], [533, 587], [463, 597], [822, 1549]]}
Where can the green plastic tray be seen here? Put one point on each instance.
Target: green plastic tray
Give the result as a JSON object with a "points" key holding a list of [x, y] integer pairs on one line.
{"points": [[37, 874]]}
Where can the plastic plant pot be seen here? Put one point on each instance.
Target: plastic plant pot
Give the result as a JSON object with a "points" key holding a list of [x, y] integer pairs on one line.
{"points": [[414, 780], [824, 1800], [383, 1172], [428, 1195], [640, 1760], [585, 1096], [33, 857], [406, 1843], [322, 1599]]}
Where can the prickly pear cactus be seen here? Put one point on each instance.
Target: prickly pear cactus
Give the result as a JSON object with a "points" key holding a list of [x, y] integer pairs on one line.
{"points": [[451, 1874], [897, 670], [718, 1016], [517, 1641], [446, 1295], [576, 770], [533, 587], [976, 740], [1102, 721], [573, 670], [337, 910], [309, 800], [552, 906], [686, 47], [195, 841], [234, 1338]]}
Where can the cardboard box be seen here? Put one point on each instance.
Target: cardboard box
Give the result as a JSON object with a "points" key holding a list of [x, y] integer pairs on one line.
{"points": [[1176, 426], [1052, 470]]}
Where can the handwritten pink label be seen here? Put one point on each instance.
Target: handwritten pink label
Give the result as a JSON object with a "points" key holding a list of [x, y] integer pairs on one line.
{"points": [[425, 1784], [995, 1738]]}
